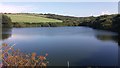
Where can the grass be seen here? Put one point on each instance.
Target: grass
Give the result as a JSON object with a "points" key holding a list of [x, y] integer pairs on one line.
{"points": [[20, 18]]}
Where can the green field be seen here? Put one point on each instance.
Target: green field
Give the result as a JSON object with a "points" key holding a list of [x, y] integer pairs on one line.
{"points": [[21, 18]]}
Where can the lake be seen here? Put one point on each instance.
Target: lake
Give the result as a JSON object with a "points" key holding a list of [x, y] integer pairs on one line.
{"points": [[81, 46]]}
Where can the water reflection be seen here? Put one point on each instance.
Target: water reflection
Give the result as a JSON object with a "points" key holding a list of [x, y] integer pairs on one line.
{"points": [[6, 33], [119, 39], [115, 38], [78, 45]]}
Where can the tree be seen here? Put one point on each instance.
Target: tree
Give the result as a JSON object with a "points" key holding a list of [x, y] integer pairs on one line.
{"points": [[6, 22]]}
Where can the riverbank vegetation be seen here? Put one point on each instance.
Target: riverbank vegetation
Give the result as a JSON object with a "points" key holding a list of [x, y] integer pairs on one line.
{"points": [[5, 26], [104, 22], [12, 57], [6, 21]]}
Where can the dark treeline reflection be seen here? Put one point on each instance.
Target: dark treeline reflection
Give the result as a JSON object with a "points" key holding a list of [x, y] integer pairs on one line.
{"points": [[115, 38], [119, 39], [6, 27], [6, 33]]}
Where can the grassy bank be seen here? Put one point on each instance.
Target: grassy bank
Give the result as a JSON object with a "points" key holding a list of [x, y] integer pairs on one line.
{"points": [[20, 18], [27, 20]]}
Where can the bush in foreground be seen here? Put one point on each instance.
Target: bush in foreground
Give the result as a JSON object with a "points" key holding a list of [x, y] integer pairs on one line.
{"points": [[12, 57]]}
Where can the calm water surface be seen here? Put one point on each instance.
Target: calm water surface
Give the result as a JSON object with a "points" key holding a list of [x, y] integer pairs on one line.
{"points": [[80, 46]]}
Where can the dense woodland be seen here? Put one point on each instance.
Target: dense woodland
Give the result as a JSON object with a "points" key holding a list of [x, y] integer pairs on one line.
{"points": [[104, 22]]}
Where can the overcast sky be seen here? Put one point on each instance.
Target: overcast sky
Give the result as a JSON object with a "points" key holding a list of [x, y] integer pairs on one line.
{"points": [[63, 8]]}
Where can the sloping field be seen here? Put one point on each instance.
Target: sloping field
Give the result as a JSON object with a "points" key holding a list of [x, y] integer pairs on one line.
{"points": [[21, 18]]}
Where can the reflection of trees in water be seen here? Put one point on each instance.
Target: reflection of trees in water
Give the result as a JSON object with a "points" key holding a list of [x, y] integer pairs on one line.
{"points": [[5, 27], [6, 33], [115, 38], [119, 39]]}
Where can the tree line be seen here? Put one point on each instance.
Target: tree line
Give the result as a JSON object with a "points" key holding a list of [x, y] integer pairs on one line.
{"points": [[6, 21], [104, 22]]}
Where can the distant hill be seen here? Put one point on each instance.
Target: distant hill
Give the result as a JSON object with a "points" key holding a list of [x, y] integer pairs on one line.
{"points": [[103, 22], [30, 18]]}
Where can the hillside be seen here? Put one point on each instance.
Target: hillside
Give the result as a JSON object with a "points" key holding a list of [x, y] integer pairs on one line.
{"points": [[20, 18], [29, 20], [103, 22]]}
